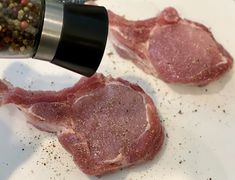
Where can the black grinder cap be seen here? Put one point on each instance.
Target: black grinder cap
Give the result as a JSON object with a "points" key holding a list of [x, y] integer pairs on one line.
{"points": [[83, 38]]}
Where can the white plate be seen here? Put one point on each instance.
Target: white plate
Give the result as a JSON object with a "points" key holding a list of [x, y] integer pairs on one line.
{"points": [[200, 145]]}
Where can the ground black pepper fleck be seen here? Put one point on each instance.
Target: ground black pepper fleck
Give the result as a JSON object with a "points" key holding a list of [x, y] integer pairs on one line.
{"points": [[110, 54], [180, 112], [180, 162], [167, 135]]}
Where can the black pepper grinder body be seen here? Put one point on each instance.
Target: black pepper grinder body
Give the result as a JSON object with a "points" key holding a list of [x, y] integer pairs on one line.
{"points": [[70, 35]]}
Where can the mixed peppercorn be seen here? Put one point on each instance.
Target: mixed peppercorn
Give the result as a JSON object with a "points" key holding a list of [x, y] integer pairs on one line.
{"points": [[19, 24]]}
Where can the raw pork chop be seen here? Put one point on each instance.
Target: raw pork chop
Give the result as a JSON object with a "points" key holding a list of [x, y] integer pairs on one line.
{"points": [[174, 49], [105, 123]]}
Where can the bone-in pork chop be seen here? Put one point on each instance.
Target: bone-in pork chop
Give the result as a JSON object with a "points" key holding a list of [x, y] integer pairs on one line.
{"points": [[105, 123], [173, 49]]}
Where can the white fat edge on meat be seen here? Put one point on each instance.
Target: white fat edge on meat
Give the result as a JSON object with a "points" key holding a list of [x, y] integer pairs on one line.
{"points": [[116, 28], [30, 111], [224, 60], [42, 123], [7, 83], [123, 161], [148, 126], [64, 130], [136, 58], [118, 158], [148, 67], [124, 48], [78, 99]]}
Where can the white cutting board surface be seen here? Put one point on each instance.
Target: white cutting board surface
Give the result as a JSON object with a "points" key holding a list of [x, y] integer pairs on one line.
{"points": [[200, 143]]}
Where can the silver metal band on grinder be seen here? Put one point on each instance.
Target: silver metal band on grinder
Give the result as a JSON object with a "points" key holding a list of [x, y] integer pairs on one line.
{"points": [[51, 30]]}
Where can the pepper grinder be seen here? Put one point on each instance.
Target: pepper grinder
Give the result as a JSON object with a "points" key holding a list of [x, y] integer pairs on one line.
{"points": [[70, 35]]}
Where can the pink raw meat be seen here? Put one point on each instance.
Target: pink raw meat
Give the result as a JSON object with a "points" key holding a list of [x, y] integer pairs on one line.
{"points": [[105, 123], [174, 49]]}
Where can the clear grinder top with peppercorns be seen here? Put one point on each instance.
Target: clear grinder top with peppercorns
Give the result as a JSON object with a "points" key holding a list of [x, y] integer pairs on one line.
{"points": [[19, 25], [71, 35]]}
